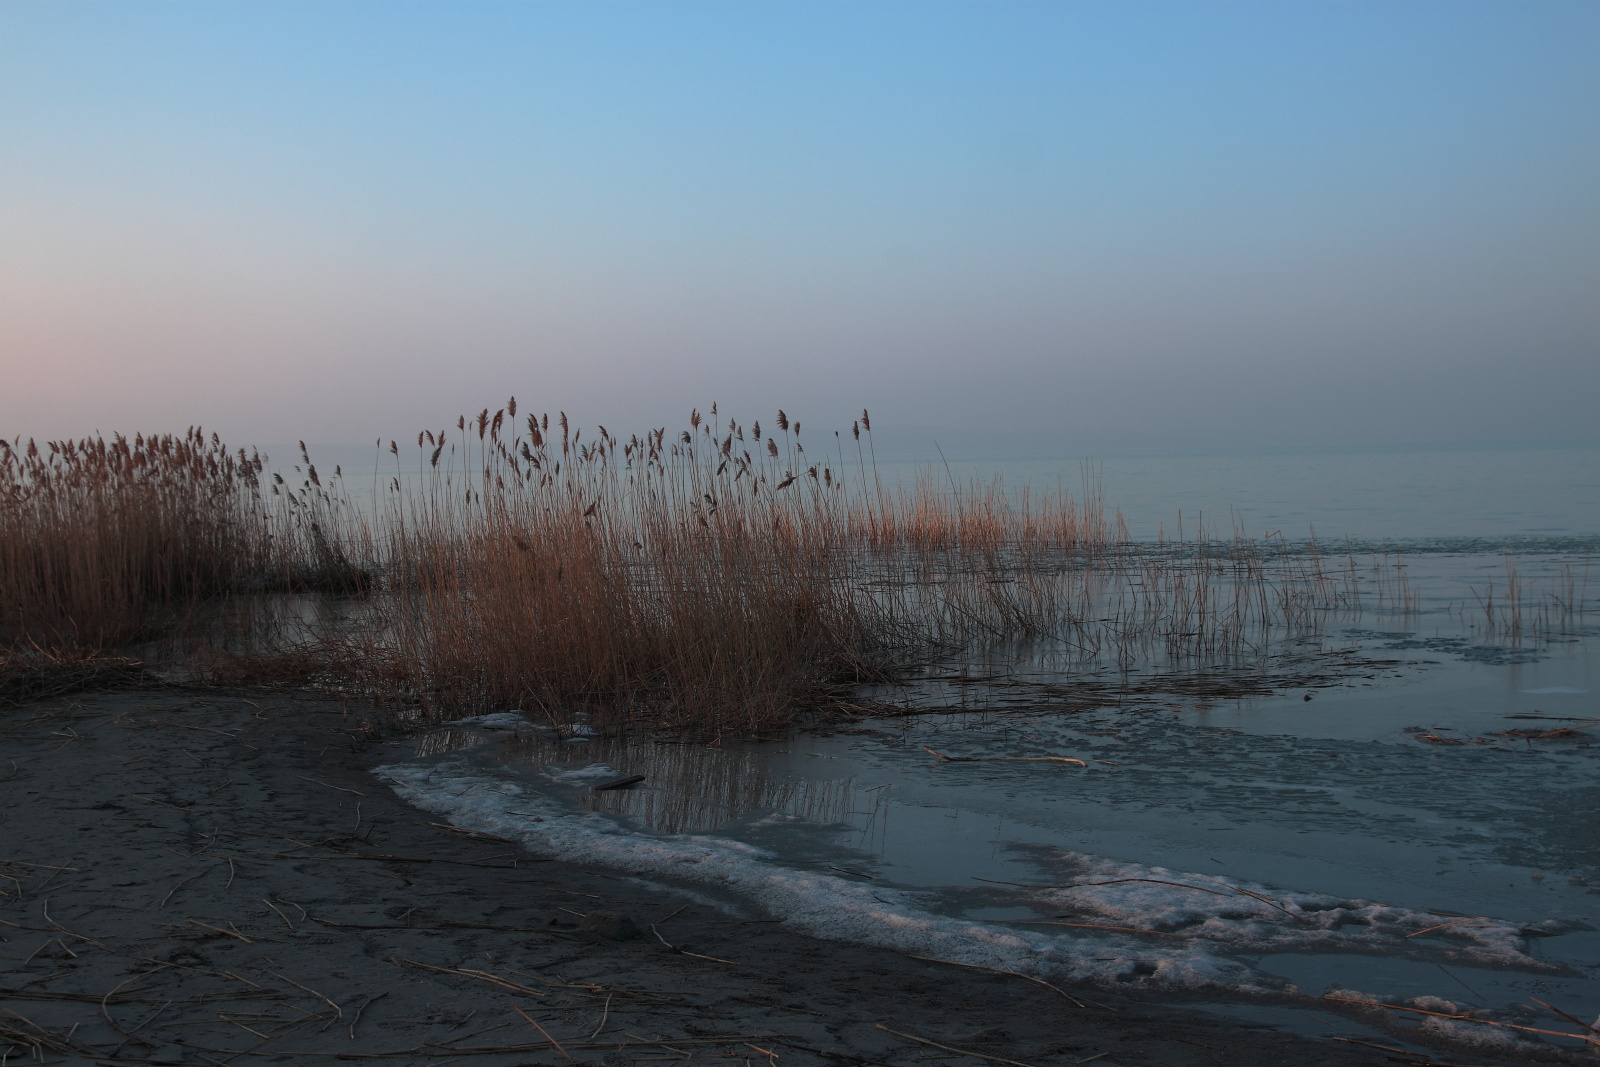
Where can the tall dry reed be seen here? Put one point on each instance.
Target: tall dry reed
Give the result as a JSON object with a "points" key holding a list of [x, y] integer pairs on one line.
{"points": [[724, 577], [105, 542], [721, 577]]}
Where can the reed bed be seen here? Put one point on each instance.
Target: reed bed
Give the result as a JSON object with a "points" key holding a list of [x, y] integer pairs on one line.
{"points": [[725, 577], [721, 577], [103, 543]]}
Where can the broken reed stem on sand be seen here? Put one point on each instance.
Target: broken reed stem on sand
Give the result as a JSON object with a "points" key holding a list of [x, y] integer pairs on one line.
{"points": [[338, 1011], [1014, 974], [686, 952], [543, 1032], [359, 1011], [948, 1048]]}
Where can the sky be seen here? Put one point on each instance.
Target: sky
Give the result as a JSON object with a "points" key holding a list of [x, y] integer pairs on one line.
{"points": [[1087, 226]]}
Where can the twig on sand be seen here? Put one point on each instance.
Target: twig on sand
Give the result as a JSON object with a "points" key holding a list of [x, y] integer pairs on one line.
{"points": [[833, 1054], [202, 729], [463, 972], [44, 909], [364, 1003], [279, 914], [338, 1011], [177, 887], [386, 858], [1369, 1044], [329, 785], [1014, 974], [947, 1048], [40, 1039], [543, 1031], [225, 933], [686, 952], [672, 913], [604, 1012], [662, 1044], [126, 1036], [1003, 759]]}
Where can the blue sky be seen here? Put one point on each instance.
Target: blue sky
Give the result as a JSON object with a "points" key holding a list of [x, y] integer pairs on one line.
{"points": [[1113, 226]]}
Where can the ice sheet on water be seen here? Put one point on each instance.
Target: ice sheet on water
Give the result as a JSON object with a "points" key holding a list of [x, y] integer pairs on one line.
{"points": [[1215, 919], [820, 904]]}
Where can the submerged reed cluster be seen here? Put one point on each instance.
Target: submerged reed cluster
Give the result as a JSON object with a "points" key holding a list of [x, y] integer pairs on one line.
{"points": [[721, 577]]}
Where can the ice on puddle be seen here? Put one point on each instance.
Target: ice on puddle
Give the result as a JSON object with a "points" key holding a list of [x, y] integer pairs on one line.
{"points": [[818, 904], [1213, 917]]}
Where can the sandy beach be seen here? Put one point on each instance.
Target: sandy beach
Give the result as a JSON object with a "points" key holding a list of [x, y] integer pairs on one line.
{"points": [[204, 877]]}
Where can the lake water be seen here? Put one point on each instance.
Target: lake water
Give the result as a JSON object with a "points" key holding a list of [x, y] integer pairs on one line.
{"points": [[1425, 828], [1372, 495], [1395, 495]]}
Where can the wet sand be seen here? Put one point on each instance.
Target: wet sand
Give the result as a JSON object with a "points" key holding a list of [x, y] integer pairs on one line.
{"points": [[200, 877]]}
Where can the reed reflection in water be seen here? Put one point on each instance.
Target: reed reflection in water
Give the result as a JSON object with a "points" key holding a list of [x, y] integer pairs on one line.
{"points": [[687, 788]]}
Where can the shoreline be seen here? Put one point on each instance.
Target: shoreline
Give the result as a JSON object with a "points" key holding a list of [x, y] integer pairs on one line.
{"points": [[199, 876]]}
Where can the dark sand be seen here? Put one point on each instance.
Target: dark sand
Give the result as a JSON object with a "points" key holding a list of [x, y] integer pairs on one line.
{"points": [[198, 877]]}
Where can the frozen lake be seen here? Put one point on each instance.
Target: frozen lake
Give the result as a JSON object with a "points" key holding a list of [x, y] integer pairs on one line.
{"points": [[1424, 828], [1426, 825]]}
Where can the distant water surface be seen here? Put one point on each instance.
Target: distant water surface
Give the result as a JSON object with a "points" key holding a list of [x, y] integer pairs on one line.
{"points": [[1392, 495], [1418, 494]]}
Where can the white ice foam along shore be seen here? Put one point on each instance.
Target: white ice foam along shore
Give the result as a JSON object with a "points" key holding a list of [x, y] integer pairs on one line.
{"points": [[1250, 918], [826, 906]]}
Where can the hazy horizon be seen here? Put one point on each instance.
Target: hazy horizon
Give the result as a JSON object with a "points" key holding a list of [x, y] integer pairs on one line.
{"points": [[1119, 226]]}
